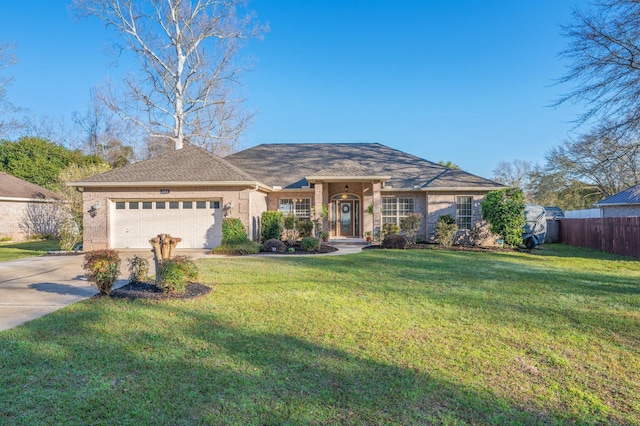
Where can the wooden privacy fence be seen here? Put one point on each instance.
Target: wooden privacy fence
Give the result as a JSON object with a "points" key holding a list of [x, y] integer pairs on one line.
{"points": [[619, 235]]}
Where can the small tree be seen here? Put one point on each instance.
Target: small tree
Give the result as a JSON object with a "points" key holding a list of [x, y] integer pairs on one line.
{"points": [[410, 225], [291, 228], [446, 230], [102, 268], [504, 211], [271, 225]]}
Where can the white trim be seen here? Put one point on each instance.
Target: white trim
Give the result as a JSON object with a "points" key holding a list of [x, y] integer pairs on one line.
{"points": [[30, 200], [169, 184]]}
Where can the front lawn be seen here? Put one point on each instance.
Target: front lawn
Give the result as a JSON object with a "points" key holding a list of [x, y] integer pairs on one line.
{"points": [[18, 250], [381, 337]]}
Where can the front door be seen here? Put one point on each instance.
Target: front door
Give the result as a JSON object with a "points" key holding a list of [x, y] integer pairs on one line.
{"points": [[345, 209]]}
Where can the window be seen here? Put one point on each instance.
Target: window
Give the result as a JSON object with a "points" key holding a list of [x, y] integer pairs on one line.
{"points": [[174, 204], [395, 208], [464, 212], [133, 205], [301, 207], [160, 205], [120, 205], [187, 204], [214, 204], [146, 205], [201, 204]]}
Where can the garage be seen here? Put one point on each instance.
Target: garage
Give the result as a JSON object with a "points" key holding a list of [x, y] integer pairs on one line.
{"points": [[135, 222]]}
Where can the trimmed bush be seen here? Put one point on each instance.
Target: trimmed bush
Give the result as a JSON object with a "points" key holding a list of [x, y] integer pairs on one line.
{"points": [[410, 225], [504, 211], [233, 231], [310, 243], [138, 269], [102, 268], [246, 247], [394, 241], [446, 230], [272, 244], [271, 225], [389, 229], [175, 273], [306, 228]]}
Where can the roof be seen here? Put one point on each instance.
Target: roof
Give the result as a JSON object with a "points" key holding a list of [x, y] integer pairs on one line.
{"points": [[292, 165], [13, 187], [190, 165], [628, 196]]}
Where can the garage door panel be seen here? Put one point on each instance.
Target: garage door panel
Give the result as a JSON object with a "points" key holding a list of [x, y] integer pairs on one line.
{"points": [[198, 227]]}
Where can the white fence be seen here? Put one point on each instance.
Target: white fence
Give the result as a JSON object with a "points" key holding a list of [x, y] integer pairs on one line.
{"points": [[583, 214]]}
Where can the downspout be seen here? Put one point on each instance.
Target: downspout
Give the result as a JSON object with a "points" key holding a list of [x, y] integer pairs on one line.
{"points": [[250, 211]]}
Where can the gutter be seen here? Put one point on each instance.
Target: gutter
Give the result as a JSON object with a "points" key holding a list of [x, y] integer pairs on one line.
{"points": [[169, 184]]}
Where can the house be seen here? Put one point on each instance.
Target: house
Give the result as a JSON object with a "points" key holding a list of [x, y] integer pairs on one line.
{"points": [[624, 203], [16, 195], [187, 193]]}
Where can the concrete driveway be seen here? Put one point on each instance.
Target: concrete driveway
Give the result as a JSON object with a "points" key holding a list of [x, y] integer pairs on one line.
{"points": [[35, 286]]}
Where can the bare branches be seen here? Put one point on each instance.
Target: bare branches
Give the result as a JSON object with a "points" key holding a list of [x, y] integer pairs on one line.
{"points": [[187, 51], [604, 56]]}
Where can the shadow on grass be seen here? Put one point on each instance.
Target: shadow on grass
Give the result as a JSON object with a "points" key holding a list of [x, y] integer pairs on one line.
{"points": [[194, 368]]}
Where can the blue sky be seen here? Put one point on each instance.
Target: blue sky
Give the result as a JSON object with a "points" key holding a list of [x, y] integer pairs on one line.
{"points": [[465, 81]]}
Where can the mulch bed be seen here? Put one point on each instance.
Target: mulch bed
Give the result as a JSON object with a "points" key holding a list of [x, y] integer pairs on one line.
{"points": [[299, 250], [151, 291]]}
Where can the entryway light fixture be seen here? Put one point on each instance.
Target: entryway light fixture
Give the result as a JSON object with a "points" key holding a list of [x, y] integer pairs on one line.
{"points": [[346, 188]]}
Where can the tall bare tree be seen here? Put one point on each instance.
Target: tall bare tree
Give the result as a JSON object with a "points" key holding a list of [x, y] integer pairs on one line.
{"points": [[188, 55], [604, 62], [8, 124], [515, 174], [603, 158]]}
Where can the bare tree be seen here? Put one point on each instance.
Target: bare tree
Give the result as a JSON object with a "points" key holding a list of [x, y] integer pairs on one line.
{"points": [[42, 217], [604, 159], [604, 56], [187, 50], [8, 123], [516, 174], [104, 134]]}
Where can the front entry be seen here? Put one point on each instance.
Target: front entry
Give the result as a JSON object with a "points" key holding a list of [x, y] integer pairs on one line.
{"points": [[345, 216], [345, 209]]}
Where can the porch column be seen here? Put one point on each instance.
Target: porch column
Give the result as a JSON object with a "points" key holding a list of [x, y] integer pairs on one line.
{"points": [[377, 207], [317, 200]]}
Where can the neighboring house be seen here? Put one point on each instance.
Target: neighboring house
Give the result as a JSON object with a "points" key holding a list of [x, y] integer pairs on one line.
{"points": [[186, 193], [15, 197], [624, 203]]}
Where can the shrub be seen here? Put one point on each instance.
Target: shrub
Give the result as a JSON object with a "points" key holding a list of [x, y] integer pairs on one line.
{"points": [[69, 233], [272, 224], [274, 245], [389, 229], [233, 231], [306, 228], [102, 268], [310, 243], [394, 241], [5, 239], [504, 211], [479, 233], [446, 230], [291, 228], [410, 225], [175, 273], [138, 269], [246, 247]]}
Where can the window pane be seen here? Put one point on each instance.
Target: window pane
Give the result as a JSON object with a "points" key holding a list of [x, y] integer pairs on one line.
{"points": [[174, 205], [303, 208], [187, 204], [214, 204], [160, 205], [120, 205], [146, 205], [285, 205], [464, 212], [201, 204], [133, 205]]}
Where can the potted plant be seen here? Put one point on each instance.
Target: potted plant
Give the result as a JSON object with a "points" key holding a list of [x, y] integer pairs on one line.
{"points": [[325, 236], [367, 236]]}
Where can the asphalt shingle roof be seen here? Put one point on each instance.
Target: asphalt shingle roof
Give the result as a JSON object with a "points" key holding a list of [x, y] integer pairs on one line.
{"points": [[628, 196], [287, 165], [13, 187], [189, 164]]}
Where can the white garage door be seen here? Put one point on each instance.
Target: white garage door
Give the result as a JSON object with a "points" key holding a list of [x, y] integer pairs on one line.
{"points": [[197, 222]]}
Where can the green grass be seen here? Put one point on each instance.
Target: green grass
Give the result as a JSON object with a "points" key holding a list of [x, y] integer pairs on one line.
{"points": [[382, 337], [18, 250]]}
